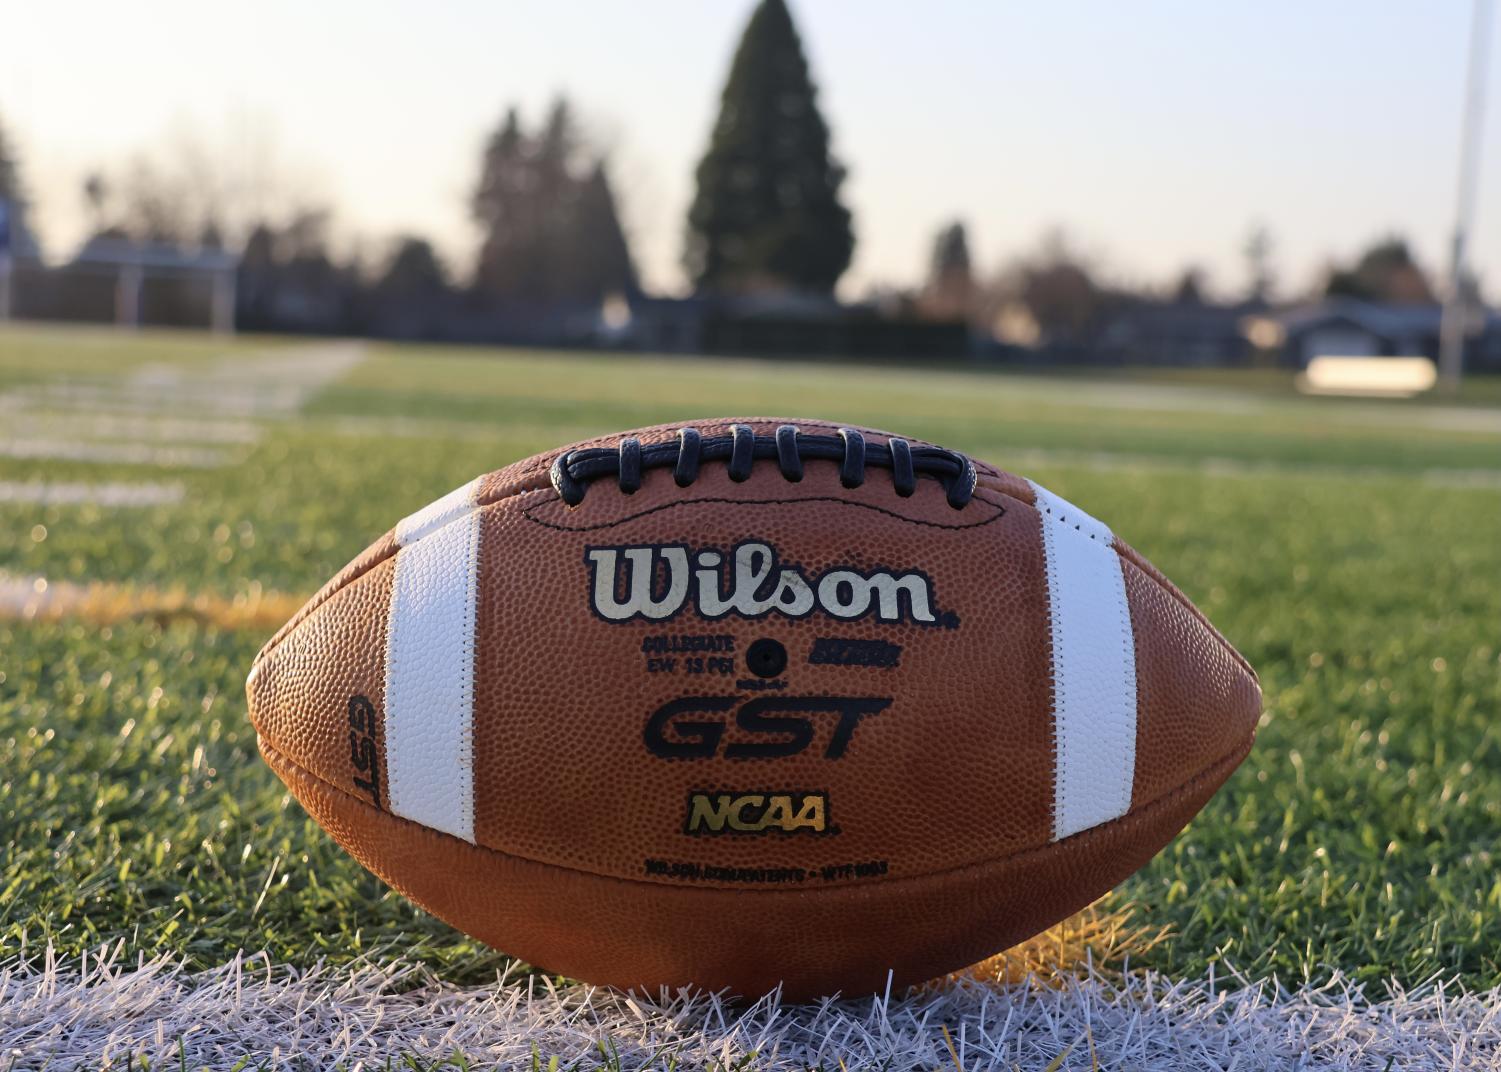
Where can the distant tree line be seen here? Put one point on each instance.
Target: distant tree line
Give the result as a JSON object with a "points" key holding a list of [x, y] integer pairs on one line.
{"points": [[552, 249], [1057, 295], [767, 221]]}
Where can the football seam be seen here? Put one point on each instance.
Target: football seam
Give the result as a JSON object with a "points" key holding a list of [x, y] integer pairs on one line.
{"points": [[1230, 760], [1056, 747], [528, 514]]}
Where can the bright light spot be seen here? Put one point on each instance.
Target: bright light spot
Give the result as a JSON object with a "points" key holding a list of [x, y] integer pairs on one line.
{"points": [[615, 314], [1263, 332], [1391, 377]]}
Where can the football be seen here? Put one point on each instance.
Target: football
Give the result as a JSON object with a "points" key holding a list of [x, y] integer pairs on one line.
{"points": [[750, 703]]}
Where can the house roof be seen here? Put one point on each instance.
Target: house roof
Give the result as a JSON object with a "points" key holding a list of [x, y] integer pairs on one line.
{"points": [[1386, 321], [109, 250]]}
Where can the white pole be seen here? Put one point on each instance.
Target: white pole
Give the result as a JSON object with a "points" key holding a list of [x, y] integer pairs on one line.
{"points": [[224, 301], [128, 295], [1452, 329]]}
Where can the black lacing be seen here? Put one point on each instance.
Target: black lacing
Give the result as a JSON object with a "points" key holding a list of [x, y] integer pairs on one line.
{"points": [[572, 472]]}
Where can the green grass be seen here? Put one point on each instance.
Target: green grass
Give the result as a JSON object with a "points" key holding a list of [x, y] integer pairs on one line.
{"points": [[35, 353], [1365, 587]]}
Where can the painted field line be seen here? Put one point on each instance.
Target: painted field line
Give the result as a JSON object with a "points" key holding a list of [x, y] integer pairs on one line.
{"points": [[202, 416], [37, 599], [126, 453], [110, 494], [147, 428], [115, 1008]]}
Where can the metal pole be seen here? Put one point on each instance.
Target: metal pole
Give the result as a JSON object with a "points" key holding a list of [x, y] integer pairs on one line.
{"points": [[223, 316], [7, 252], [1456, 314]]}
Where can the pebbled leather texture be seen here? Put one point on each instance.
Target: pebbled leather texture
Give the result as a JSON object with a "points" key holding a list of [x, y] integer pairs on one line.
{"points": [[913, 745], [812, 943]]}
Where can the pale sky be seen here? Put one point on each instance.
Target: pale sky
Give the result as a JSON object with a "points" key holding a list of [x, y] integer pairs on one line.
{"points": [[1154, 133]]}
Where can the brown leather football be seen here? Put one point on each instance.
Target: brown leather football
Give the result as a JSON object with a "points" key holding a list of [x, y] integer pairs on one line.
{"points": [[751, 702]]}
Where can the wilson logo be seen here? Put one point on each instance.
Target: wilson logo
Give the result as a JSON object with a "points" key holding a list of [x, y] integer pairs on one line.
{"points": [[758, 813], [659, 580]]}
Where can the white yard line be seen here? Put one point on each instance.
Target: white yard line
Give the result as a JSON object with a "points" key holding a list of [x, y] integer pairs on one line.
{"points": [[115, 1009], [137, 427], [193, 416], [111, 494], [105, 453]]}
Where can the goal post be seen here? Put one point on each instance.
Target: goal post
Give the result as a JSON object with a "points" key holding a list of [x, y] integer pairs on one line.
{"points": [[130, 284]]}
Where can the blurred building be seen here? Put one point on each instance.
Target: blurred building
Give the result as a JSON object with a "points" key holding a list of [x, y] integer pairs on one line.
{"points": [[1185, 333], [1348, 327], [113, 280]]}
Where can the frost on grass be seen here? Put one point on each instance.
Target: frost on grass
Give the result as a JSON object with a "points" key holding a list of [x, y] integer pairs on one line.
{"points": [[109, 1012]]}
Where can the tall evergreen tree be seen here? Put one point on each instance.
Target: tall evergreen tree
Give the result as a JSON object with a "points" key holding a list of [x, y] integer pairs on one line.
{"points": [[554, 189], [767, 211], [950, 290], [551, 233], [504, 207], [597, 258], [950, 254], [1258, 254], [413, 273], [11, 193]]}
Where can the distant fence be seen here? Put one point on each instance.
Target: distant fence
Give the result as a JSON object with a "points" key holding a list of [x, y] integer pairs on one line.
{"points": [[105, 293], [854, 337]]}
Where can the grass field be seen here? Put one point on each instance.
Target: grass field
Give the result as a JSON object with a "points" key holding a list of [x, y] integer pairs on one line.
{"points": [[1351, 549]]}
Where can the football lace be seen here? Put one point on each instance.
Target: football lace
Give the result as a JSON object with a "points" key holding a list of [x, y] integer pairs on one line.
{"points": [[573, 471]]}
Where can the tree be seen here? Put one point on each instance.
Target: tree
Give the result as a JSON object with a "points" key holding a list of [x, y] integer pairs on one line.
{"points": [[1258, 253], [1189, 289], [504, 207], [1063, 300], [413, 273], [598, 258], [10, 178], [256, 290], [1384, 273], [1048, 296], [950, 289], [96, 193], [767, 210], [289, 280], [544, 204], [11, 192]]}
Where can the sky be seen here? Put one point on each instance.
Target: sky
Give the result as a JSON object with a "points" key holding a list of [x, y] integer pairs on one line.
{"points": [[1154, 134]]}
